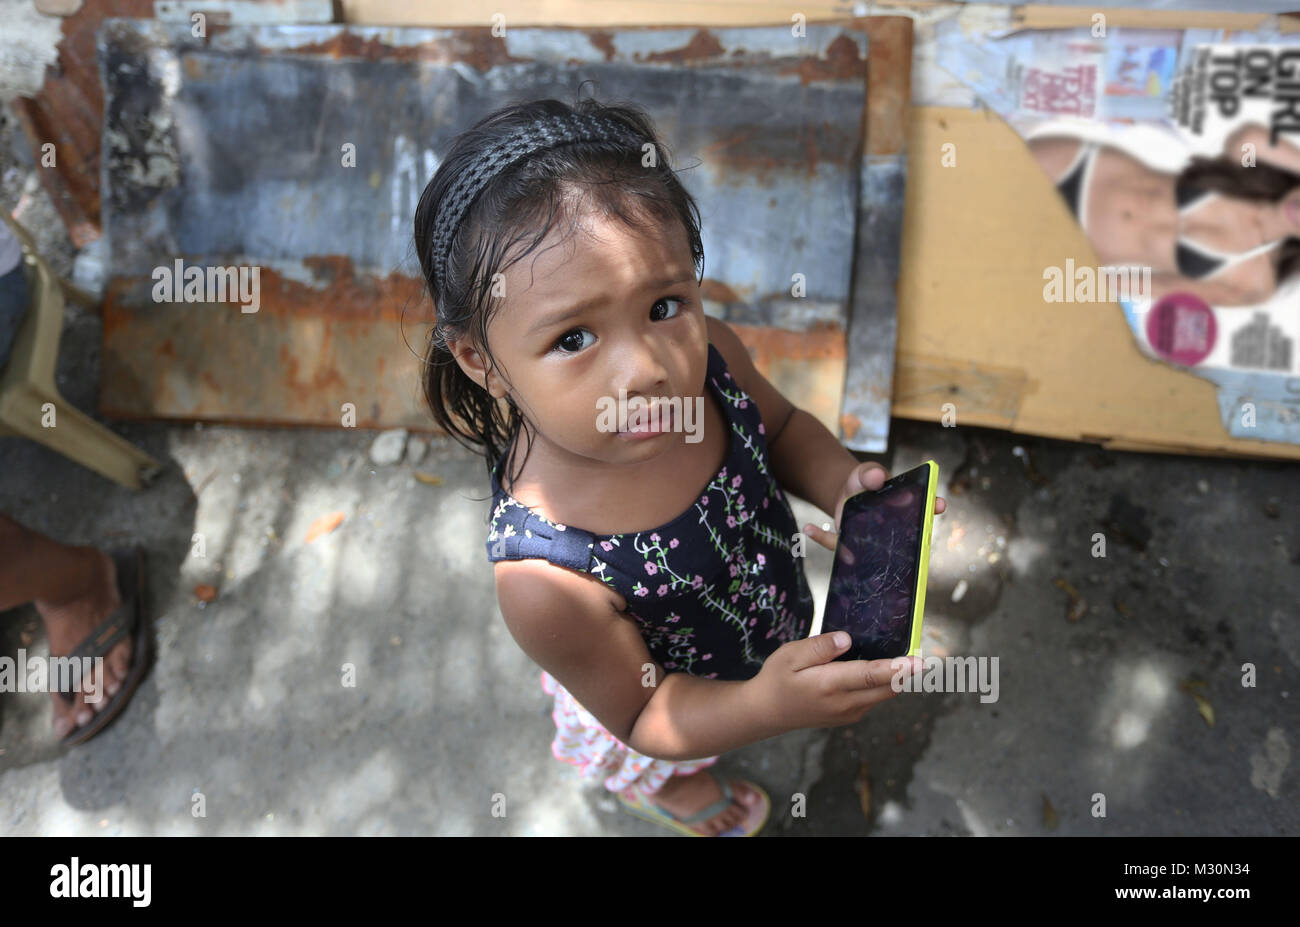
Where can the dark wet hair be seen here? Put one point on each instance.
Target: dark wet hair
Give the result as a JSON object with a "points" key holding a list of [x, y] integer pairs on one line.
{"points": [[520, 205], [1228, 177]]}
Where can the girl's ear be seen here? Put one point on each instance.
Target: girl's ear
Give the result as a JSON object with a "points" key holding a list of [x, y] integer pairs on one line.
{"points": [[474, 365]]}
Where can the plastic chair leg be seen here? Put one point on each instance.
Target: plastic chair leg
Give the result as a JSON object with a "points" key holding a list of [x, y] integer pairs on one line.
{"points": [[75, 435]]}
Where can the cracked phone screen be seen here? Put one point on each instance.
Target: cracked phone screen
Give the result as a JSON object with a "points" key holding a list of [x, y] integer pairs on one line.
{"points": [[873, 581]]}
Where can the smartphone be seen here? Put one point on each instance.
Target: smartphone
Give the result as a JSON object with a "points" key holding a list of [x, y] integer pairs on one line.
{"points": [[882, 557]]}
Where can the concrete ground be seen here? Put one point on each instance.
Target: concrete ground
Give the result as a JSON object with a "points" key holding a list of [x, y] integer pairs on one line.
{"points": [[246, 704], [1101, 660]]}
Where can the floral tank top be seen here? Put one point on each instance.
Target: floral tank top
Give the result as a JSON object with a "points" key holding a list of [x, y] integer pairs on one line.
{"points": [[714, 591]]}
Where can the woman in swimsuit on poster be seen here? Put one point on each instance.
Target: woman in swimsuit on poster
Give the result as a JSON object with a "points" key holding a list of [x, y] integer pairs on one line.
{"points": [[1227, 233]]}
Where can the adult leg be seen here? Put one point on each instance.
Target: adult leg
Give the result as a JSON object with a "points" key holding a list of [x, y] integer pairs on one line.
{"points": [[74, 589]]}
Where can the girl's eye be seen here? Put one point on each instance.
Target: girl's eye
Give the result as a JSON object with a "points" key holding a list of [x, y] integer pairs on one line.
{"points": [[571, 341], [668, 299], [567, 341]]}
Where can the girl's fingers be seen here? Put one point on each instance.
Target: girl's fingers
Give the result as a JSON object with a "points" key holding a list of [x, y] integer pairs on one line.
{"points": [[827, 537], [864, 477], [822, 536]]}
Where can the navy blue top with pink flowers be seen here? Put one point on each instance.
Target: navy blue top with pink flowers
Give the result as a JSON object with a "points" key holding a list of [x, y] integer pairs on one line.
{"points": [[714, 591]]}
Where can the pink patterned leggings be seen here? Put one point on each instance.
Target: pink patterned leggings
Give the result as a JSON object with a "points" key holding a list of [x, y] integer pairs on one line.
{"points": [[582, 741]]}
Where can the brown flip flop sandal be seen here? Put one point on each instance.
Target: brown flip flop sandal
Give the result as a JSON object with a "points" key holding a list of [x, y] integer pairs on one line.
{"points": [[129, 618]]}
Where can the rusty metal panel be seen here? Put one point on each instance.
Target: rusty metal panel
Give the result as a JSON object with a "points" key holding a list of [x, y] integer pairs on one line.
{"points": [[226, 151], [68, 112], [245, 12], [873, 313]]}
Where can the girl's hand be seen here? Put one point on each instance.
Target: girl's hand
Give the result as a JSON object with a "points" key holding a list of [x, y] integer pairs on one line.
{"points": [[864, 476], [801, 685]]}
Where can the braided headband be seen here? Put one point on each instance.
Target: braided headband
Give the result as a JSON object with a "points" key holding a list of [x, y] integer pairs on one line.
{"points": [[545, 132]]}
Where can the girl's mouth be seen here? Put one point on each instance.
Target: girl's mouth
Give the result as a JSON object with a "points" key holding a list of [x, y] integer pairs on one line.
{"points": [[658, 421]]}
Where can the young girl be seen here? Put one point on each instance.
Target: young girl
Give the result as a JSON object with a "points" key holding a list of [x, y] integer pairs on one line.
{"points": [[645, 555]]}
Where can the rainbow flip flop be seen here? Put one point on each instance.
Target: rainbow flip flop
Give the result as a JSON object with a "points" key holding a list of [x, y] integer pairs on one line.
{"points": [[639, 805]]}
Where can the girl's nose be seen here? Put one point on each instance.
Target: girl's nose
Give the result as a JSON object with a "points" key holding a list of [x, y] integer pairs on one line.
{"points": [[643, 373]]}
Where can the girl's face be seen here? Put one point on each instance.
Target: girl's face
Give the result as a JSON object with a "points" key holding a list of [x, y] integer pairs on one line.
{"points": [[610, 309]]}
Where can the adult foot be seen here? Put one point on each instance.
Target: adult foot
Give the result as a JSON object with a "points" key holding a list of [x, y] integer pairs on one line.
{"points": [[687, 795], [91, 597]]}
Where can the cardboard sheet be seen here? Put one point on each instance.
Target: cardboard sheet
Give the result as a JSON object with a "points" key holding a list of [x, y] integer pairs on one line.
{"points": [[973, 328]]}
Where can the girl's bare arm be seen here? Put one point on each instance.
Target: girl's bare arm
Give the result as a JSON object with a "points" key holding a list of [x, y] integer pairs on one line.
{"points": [[690, 718], [571, 628]]}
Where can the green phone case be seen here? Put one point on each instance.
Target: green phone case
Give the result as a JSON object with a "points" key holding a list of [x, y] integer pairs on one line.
{"points": [[923, 568]]}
